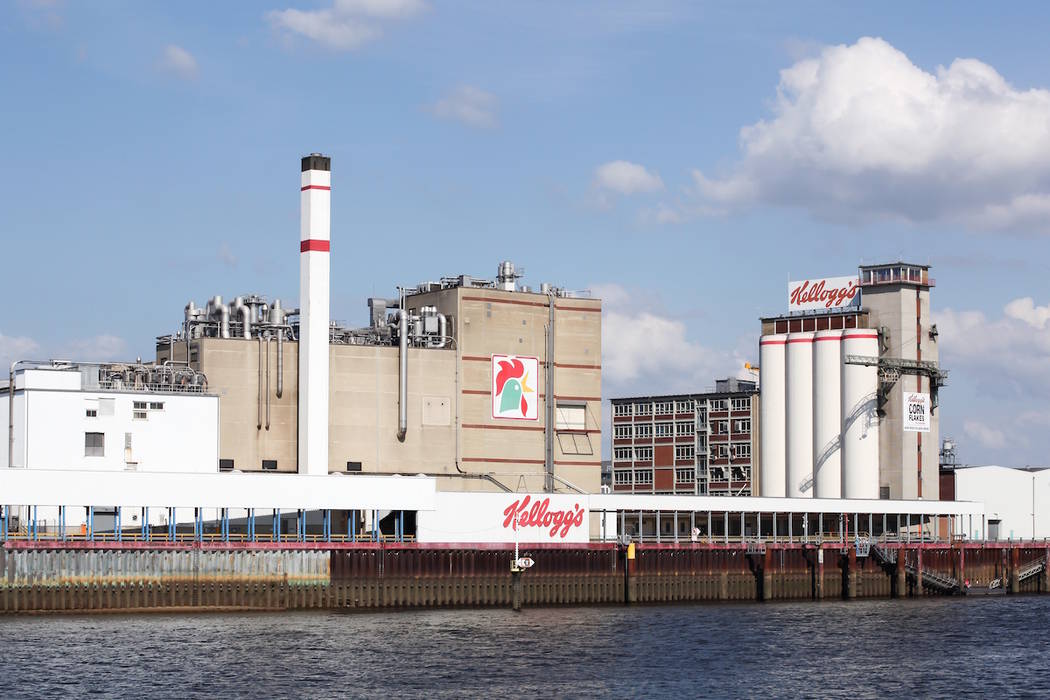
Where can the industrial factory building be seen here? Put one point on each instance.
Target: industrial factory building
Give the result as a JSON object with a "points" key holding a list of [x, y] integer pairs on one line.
{"points": [[703, 444], [849, 380], [486, 384]]}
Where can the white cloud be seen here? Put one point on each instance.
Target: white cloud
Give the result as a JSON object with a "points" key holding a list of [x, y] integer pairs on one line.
{"points": [[100, 347], [347, 24], [644, 350], [226, 256], [626, 178], [1009, 355], [985, 435], [14, 348], [1025, 310], [860, 133], [467, 104], [178, 61]]}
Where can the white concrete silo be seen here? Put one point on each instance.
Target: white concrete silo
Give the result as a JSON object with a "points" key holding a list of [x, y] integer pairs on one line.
{"points": [[799, 415], [827, 414], [860, 420], [772, 417]]}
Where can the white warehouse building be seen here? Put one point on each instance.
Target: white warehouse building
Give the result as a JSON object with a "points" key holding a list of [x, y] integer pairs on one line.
{"points": [[1016, 501], [110, 417]]}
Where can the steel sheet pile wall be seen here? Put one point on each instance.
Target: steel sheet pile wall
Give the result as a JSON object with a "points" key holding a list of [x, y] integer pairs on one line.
{"points": [[56, 578]]}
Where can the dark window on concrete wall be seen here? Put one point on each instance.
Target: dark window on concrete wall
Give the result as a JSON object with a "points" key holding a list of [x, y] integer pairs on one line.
{"points": [[269, 464], [94, 444], [353, 466], [225, 465], [884, 493]]}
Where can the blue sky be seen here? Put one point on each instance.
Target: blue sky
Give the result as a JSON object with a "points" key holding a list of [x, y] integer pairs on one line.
{"points": [[684, 160]]}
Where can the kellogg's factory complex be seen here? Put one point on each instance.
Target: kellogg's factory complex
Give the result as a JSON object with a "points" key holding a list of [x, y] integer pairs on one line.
{"points": [[271, 458]]}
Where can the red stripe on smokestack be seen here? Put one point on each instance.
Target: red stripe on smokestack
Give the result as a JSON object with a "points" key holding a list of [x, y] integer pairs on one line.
{"points": [[314, 245], [314, 187]]}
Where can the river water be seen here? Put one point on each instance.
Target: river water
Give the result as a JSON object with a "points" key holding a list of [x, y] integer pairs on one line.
{"points": [[989, 647]]}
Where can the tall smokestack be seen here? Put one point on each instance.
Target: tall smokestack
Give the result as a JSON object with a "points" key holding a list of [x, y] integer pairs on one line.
{"points": [[314, 272]]}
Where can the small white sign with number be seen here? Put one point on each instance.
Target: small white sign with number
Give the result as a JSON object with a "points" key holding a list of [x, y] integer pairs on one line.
{"points": [[525, 562]]}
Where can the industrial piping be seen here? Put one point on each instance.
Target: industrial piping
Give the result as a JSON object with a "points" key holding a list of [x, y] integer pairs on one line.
{"points": [[402, 373]]}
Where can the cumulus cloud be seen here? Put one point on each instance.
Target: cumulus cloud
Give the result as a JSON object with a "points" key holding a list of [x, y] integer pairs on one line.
{"points": [[1010, 354], [469, 105], [985, 435], [644, 350], [100, 347], [178, 61], [14, 348], [861, 133], [624, 177], [347, 24]]}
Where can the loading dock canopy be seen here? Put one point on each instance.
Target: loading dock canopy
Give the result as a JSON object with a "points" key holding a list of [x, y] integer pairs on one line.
{"points": [[172, 490]]}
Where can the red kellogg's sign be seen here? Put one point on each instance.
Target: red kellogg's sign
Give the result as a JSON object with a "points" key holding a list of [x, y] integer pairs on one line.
{"points": [[821, 294], [538, 514]]}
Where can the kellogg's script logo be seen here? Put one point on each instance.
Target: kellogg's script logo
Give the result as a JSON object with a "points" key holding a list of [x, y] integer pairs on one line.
{"points": [[820, 293], [540, 515]]}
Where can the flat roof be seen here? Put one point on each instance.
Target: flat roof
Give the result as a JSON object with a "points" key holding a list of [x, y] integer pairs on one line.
{"points": [[706, 394]]}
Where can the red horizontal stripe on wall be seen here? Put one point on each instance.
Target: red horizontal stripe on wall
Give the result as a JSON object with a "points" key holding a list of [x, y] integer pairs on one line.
{"points": [[314, 187], [312, 244]]}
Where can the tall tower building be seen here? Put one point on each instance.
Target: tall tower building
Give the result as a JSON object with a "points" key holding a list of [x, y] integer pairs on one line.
{"points": [[897, 297]]}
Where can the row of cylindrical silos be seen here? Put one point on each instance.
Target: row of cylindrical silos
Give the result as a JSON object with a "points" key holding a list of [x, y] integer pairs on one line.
{"points": [[818, 415]]}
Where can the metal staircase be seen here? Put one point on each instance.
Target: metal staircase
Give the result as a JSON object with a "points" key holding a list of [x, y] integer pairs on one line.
{"points": [[930, 579], [1026, 572]]}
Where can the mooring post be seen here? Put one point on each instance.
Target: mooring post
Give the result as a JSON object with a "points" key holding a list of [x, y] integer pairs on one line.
{"points": [[515, 586], [851, 573], [1046, 572], [818, 589], [631, 575], [767, 574], [901, 574], [1015, 581], [918, 571]]}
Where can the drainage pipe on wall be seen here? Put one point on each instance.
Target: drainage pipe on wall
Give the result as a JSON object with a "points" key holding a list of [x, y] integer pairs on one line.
{"points": [[402, 373]]}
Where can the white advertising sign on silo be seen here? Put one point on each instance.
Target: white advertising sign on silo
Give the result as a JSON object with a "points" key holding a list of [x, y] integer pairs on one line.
{"points": [[916, 412], [828, 293]]}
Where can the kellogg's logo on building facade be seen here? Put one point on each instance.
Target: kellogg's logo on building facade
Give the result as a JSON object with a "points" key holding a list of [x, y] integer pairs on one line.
{"points": [[538, 513], [514, 387], [821, 294]]}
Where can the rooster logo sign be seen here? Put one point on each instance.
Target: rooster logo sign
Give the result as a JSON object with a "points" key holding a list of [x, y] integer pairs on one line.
{"points": [[514, 382]]}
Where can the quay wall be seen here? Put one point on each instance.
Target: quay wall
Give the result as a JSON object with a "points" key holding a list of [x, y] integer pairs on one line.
{"points": [[43, 577]]}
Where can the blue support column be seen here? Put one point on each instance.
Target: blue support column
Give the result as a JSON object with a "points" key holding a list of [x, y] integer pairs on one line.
{"points": [[251, 524], [3, 524], [351, 524], [145, 523], [276, 535], [32, 523], [225, 524], [299, 525], [118, 530], [375, 526], [401, 526], [197, 528], [91, 523], [327, 525], [171, 524], [62, 522]]}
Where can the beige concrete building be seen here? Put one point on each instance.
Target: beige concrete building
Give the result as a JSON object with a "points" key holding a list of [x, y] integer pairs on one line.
{"points": [[453, 427]]}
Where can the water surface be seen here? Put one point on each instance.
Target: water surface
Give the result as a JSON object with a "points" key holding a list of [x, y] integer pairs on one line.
{"points": [[991, 647]]}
